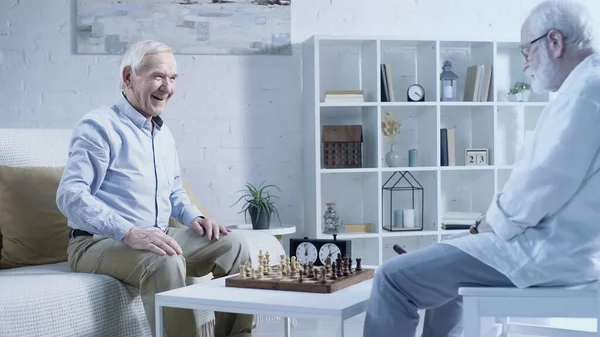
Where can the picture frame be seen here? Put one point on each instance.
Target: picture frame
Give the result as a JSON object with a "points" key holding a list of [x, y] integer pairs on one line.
{"points": [[476, 157]]}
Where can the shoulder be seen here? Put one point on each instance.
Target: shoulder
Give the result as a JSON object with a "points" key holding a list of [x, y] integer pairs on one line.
{"points": [[94, 126]]}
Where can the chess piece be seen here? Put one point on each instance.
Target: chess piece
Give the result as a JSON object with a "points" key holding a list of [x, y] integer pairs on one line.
{"points": [[242, 272], [323, 275], [358, 262], [315, 273], [279, 275], [346, 273], [259, 272], [301, 279], [339, 268], [350, 266]]}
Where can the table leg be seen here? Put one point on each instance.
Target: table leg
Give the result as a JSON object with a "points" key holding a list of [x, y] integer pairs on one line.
{"points": [[287, 327], [340, 332], [159, 320]]}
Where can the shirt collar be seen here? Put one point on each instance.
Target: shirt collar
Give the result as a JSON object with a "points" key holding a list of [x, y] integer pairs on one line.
{"points": [[579, 70], [135, 116]]}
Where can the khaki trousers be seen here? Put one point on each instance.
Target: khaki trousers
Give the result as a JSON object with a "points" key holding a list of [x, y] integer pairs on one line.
{"points": [[153, 273]]}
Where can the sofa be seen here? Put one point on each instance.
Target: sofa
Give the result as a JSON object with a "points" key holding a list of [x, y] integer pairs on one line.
{"points": [[39, 294]]}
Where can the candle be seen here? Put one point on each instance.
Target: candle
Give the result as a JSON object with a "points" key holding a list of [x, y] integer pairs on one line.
{"points": [[448, 91], [413, 157], [398, 217], [409, 217]]}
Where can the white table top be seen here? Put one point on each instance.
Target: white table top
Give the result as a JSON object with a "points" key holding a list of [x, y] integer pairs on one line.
{"points": [[273, 230], [214, 295]]}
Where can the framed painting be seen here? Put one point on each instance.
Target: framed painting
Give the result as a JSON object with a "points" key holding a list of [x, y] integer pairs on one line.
{"points": [[227, 27]]}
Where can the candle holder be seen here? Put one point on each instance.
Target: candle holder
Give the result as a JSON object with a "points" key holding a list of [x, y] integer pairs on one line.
{"points": [[403, 182], [448, 83]]}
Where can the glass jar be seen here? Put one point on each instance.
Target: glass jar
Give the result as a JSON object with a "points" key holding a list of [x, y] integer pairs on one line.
{"points": [[331, 220]]}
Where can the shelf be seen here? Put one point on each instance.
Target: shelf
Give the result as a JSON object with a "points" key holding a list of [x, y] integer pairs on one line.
{"points": [[473, 129], [347, 104], [410, 62], [466, 191], [514, 125], [503, 176], [418, 131], [509, 69], [356, 196], [464, 54], [410, 169], [425, 200], [466, 104], [349, 170], [364, 116], [407, 104], [348, 65]]}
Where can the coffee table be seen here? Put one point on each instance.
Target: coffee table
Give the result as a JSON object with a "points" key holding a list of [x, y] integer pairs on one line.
{"points": [[214, 295]]}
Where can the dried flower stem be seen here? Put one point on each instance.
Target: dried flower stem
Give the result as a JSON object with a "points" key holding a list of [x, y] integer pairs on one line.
{"points": [[390, 127]]}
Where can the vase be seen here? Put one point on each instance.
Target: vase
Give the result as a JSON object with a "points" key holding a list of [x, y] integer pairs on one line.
{"points": [[392, 158], [260, 220], [523, 96], [331, 220]]}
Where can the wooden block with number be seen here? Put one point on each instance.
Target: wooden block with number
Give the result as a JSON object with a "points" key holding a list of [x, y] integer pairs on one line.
{"points": [[271, 281]]}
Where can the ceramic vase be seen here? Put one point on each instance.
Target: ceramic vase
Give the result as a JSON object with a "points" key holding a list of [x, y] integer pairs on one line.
{"points": [[392, 158]]}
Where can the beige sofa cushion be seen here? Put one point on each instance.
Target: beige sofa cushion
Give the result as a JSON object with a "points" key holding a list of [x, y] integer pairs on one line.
{"points": [[194, 200], [33, 230]]}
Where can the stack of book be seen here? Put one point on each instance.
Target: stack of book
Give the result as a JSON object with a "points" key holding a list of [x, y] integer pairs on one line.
{"points": [[460, 220], [344, 96], [477, 83]]}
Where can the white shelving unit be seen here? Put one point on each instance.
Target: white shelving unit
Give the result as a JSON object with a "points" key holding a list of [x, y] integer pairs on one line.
{"points": [[353, 62]]}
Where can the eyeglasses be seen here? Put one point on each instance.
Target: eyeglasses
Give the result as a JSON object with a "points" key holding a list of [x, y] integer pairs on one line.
{"points": [[525, 48]]}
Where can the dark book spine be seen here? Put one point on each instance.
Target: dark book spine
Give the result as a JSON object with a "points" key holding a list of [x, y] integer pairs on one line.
{"points": [[385, 96], [444, 147]]}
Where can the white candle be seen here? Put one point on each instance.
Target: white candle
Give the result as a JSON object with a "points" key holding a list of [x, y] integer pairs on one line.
{"points": [[408, 217], [448, 91]]}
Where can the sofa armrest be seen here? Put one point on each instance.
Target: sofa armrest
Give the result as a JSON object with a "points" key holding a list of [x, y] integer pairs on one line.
{"points": [[257, 241]]}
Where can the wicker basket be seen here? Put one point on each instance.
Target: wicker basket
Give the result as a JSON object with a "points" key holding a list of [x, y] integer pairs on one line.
{"points": [[342, 146]]}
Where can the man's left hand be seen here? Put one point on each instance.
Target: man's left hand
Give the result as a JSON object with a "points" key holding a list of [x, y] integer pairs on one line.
{"points": [[209, 227]]}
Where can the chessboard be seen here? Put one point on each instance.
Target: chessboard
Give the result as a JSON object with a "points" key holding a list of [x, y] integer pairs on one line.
{"points": [[291, 275]]}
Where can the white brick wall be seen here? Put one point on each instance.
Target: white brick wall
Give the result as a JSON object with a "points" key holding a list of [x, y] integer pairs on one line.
{"points": [[236, 118]]}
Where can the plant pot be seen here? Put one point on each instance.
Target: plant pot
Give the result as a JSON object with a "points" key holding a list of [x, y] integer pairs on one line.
{"points": [[260, 221]]}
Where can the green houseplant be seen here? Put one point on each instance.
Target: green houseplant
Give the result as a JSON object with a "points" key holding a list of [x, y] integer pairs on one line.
{"points": [[259, 204], [521, 91]]}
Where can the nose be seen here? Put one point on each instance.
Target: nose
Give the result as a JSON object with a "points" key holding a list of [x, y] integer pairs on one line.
{"points": [[167, 85]]}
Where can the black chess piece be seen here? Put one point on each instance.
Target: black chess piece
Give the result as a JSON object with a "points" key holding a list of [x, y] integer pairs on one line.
{"points": [[358, 264], [301, 279], [350, 266], [399, 250]]}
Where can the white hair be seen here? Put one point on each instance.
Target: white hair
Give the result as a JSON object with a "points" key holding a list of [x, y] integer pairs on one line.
{"points": [[571, 18], [134, 55]]}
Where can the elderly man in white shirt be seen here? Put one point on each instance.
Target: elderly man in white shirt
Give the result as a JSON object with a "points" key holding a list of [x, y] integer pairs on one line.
{"points": [[543, 228]]}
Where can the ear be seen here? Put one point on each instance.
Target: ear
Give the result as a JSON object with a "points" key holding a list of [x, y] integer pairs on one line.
{"points": [[556, 43], [126, 75]]}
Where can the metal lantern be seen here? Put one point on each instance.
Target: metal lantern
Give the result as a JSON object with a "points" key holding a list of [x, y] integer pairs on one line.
{"points": [[448, 83]]}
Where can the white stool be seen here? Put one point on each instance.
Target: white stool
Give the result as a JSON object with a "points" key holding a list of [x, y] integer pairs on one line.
{"points": [[503, 303]]}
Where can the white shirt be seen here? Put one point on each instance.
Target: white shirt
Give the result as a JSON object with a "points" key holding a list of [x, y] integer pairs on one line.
{"points": [[121, 174], [546, 220]]}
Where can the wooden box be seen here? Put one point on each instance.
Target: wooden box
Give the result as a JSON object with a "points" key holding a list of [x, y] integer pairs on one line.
{"points": [[342, 146]]}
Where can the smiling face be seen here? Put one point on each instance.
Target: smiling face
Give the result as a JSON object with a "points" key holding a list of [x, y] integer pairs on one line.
{"points": [[153, 85]]}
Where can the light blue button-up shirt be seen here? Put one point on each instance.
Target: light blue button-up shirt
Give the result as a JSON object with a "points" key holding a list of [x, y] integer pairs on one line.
{"points": [[546, 219], [121, 173]]}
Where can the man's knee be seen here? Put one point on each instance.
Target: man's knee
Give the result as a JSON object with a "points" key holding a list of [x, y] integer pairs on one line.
{"points": [[168, 264]]}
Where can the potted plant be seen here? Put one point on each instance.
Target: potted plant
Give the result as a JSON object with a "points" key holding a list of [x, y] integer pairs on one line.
{"points": [[258, 203], [521, 91]]}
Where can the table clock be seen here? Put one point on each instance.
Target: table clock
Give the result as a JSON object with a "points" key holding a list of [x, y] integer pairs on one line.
{"points": [[317, 250]]}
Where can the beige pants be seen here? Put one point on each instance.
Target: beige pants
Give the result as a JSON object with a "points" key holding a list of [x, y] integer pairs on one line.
{"points": [[153, 273]]}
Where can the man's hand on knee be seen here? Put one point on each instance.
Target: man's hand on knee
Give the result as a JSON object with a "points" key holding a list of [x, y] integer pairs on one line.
{"points": [[152, 240], [209, 227]]}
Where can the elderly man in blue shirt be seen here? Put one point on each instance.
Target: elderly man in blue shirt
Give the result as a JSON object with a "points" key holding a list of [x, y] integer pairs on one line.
{"points": [[543, 228], [121, 185]]}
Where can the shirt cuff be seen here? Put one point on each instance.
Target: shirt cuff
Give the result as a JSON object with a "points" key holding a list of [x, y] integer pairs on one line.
{"points": [[191, 212], [503, 227], [119, 226]]}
